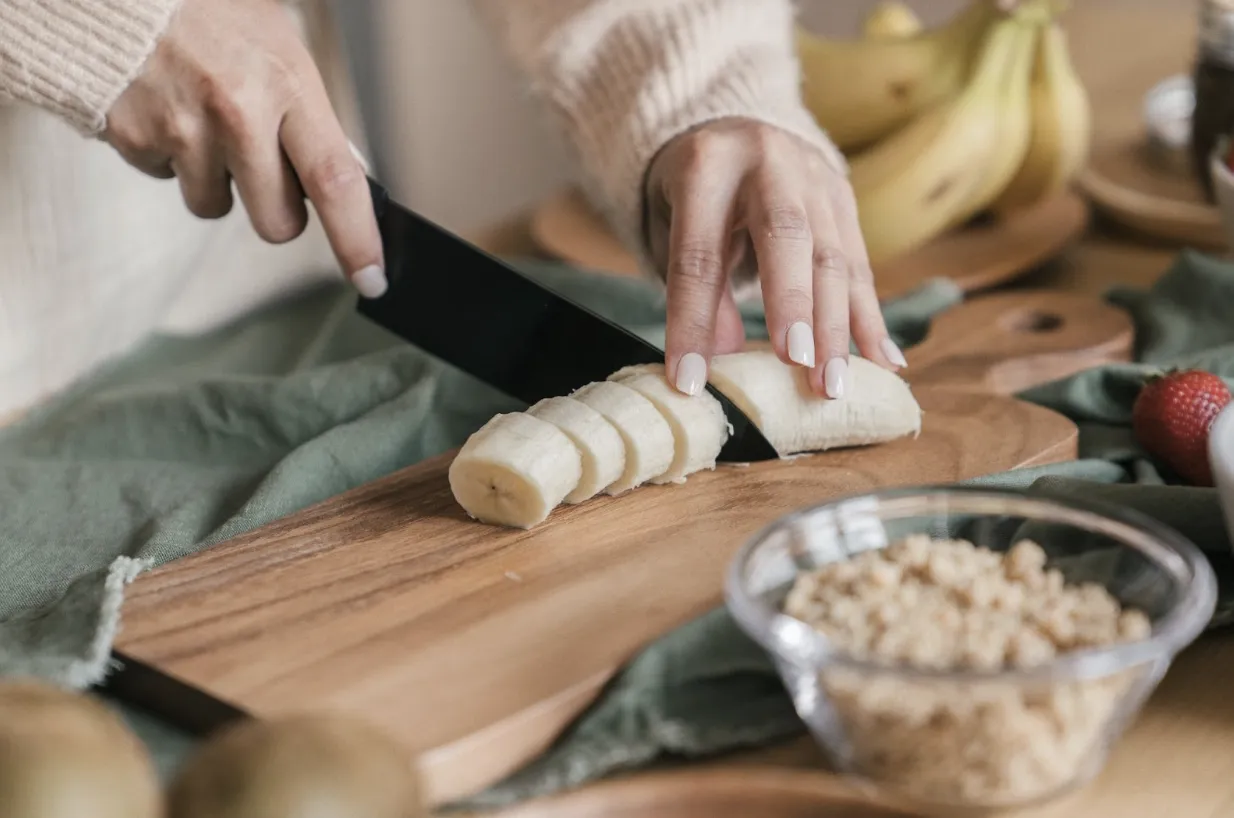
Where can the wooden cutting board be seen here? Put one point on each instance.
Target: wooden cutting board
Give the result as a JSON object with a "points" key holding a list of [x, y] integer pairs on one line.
{"points": [[976, 257], [477, 644]]}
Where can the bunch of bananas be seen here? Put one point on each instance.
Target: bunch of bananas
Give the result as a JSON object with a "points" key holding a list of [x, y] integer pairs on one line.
{"points": [[982, 114]]}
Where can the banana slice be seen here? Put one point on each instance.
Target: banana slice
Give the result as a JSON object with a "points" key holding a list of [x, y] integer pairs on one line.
{"points": [[598, 441], [647, 436], [877, 405], [515, 470], [698, 423]]}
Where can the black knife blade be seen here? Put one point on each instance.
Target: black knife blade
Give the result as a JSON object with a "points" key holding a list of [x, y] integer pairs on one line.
{"points": [[483, 316]]}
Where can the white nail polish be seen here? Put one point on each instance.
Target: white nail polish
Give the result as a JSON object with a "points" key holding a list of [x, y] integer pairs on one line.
{"points": [[834, 377], [370, 282], [691, 373], [892, 352], [801, 344]]}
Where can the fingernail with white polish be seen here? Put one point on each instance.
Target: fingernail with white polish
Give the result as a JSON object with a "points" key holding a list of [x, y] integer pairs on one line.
{"points": [[801, 344], [834, 376], [892, 352], [370, 282], [691, 373]]}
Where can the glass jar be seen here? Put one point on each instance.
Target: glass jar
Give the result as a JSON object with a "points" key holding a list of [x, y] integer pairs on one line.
{"points": [[1214, 87]]}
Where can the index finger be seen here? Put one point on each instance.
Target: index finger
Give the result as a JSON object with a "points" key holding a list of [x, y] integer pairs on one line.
{"points": [[335, 183]]}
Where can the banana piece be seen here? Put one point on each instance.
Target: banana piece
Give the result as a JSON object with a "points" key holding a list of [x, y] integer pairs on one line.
{"points": [[515, 470], [1062, 126], [598, 442], [925, 177], [877, 406], [646, 434], [698, 423], [890, 20], [860, 91]]}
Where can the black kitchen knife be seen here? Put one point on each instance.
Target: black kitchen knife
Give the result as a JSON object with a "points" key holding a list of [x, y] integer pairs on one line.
{"points": [[481, 315]]}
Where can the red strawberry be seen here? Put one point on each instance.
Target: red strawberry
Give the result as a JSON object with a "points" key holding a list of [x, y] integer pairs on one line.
{"points": [[1172, 416]]}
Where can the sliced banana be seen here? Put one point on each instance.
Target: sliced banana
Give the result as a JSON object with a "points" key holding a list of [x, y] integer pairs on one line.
{"points": [[877, 405], [698, 423], [647, 436], [598, 442], [515, 470]]}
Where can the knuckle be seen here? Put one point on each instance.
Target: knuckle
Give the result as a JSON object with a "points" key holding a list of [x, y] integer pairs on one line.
{"points": [[861, 274], [795, 297], [829, 263], [787, 223], [180, 131], [329, 177], [697, 266], [280, 228], [209, 206]]}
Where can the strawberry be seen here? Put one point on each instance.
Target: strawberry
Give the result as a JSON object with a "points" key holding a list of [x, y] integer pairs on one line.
{"points": [[1171, 418]]}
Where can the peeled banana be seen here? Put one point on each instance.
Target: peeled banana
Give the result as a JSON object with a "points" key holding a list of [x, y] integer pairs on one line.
{"points": [[928, 176], [649, 442], [634, 428], [859, 91], [891, 20], [878, 405], [698, 423], [1061, 130], [514, 471], [598, 442]]}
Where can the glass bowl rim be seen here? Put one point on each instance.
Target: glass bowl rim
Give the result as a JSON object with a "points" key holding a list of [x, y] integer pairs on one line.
{"points": [[774, 630]]}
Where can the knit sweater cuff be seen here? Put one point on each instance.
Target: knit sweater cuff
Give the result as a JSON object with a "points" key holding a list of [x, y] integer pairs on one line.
{"points": [[627, 82], [75, 57]]}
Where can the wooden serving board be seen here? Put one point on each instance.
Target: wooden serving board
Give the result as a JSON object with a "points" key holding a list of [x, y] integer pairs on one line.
{"points": [[765, 792], [476, 645], [976, 258]]}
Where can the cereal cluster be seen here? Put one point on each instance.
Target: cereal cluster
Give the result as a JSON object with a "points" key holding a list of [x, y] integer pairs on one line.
{"points": [[950, 605]]}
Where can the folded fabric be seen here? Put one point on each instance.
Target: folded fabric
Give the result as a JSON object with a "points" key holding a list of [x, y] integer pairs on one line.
{"points": [[707, 688], [191, 441]]}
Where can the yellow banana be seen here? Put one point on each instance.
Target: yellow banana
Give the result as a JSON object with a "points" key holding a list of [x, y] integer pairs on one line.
{"points": [[1015, 123], [925, 177], [1061, 130], [862, 90], [891, 20]]}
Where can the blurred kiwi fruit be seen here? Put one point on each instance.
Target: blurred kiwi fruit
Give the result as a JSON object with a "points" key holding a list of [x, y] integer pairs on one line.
{"points": [[302, 766], [67, 755]]}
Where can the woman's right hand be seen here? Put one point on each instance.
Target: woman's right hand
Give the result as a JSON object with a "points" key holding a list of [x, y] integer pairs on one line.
{"points": [[231, 92]]}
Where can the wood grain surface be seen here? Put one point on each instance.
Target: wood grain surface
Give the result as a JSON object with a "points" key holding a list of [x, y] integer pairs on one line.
{"points": [[751, 792], [976, 258], [477, 644]]}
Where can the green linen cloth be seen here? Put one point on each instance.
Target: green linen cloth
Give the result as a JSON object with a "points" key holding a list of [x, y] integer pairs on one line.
{"points": [[188, 442]]}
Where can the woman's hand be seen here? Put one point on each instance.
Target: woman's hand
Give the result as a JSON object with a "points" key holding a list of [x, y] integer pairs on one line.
{"points": [[737, 191], [231, 92]]}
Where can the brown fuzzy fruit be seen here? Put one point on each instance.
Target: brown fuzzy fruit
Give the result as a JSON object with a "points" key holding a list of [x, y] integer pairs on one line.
{"points": [[66, 755], [297, 767]]}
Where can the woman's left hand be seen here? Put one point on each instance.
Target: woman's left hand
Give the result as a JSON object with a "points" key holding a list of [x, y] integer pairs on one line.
{"points": [[738, 191]]}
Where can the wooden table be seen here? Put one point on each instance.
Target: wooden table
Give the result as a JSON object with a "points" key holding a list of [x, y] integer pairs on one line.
{"points": [[1178, 759]]}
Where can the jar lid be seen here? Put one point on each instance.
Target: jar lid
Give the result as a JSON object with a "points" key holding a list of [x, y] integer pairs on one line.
{"points": [[1217, 29]]}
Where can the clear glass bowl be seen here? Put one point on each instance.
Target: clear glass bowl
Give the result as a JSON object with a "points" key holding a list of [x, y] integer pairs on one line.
{"points": [[974, 741]]}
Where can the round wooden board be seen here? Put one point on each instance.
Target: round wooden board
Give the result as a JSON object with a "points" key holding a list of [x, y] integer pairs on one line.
{"points": [[1123, 183], [765, 792], [977, 257]]}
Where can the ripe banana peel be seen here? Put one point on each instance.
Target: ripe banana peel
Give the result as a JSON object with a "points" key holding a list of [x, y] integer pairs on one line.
{"points": [[859, 91], [933, 173], [1061, 137], [891, 20]]}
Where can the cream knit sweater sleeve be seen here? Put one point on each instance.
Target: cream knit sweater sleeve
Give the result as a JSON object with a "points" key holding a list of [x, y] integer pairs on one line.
{"points": [[622, 76], [75, 57], [625, 76]]}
